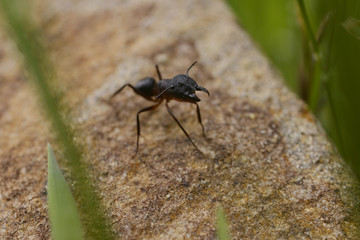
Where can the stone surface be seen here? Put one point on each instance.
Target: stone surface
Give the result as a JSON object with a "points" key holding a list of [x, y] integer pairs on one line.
{"points": [[266, 160]]}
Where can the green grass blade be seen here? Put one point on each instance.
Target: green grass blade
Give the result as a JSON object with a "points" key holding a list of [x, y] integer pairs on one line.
{"points": [[315, 86], [222, 227], [315, 83], [306, 19], [64, 217]]}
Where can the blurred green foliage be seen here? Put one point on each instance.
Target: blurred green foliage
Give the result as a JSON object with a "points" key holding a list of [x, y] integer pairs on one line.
{"points": [[273, 25], [316, 47], [340, 90]]}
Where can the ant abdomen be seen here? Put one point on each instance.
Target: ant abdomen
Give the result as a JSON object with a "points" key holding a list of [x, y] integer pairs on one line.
{"points": [[146, 86]]}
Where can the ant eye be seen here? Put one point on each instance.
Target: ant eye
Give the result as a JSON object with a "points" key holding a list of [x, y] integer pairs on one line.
{"points": [[181, 85]]}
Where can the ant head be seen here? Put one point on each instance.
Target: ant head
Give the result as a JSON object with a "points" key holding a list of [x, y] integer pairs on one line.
{"points": [[185, 87]]}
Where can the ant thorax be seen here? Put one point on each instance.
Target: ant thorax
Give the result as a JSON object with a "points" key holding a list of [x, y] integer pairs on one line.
{"points": [[180, 88]]}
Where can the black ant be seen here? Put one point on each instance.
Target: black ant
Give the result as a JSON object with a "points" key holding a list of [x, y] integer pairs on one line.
{"points": [[181, 88]]}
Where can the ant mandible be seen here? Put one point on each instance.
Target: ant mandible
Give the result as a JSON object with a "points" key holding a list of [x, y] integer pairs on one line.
{"points": [[180, 88]]}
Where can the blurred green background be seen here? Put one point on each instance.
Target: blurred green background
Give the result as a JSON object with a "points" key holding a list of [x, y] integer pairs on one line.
{"points": [[316, 47]]}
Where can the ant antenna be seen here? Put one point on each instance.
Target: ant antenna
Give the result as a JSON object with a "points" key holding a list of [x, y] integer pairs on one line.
{"points": [[187, 75]]}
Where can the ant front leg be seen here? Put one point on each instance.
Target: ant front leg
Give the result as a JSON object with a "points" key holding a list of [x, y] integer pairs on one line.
{"points": [[199, 118], [153, 107], [173, 116]]}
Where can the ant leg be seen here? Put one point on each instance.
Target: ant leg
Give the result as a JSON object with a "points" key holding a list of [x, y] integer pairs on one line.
{"points": [[199, 118], [138, 121], [158, 72], [120, 89], [173, 116]]}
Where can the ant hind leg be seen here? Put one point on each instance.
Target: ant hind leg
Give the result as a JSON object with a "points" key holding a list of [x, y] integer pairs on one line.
{"points": [[120, 89]]}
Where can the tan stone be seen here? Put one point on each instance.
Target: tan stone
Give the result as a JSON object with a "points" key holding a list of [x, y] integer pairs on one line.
{"points": [[266, 160]]}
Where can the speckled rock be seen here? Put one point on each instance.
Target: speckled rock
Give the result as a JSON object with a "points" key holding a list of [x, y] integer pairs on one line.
{"points": [[265, 159]]}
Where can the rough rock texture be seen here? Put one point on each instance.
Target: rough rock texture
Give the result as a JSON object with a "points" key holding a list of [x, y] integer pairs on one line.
{"points": [[265, 158]]}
